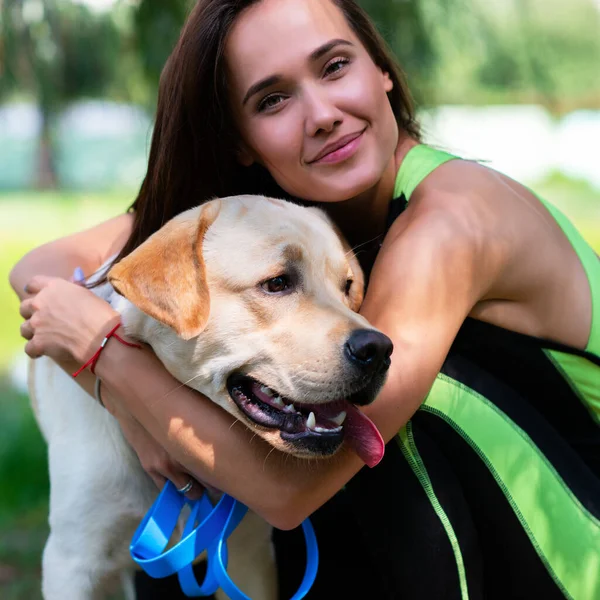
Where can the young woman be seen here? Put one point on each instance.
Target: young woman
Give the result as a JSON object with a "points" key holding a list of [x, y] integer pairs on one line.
{"points": [[491, 479]]}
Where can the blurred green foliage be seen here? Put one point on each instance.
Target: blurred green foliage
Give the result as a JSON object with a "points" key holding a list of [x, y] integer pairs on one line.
{"points": [[453, 51], [515, 51], [25, 469], [56, 52]]}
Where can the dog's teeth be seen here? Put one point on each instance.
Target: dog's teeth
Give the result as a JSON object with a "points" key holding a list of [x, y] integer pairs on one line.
{"points": [[311, 422], [339, 419], [267, 391], [278, 401], [325, 430], [289, 408]]}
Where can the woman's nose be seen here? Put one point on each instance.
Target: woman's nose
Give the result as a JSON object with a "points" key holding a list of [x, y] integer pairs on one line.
{"points": [[322, 115]]}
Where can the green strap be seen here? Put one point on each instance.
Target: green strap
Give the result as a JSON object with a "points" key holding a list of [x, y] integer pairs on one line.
{"points": [[407, 444], [591, 264], [582, 376], [565, 535], [419, 162]]}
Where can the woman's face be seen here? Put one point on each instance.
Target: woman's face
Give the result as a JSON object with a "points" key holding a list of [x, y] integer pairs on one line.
{"points": [[310, 104]]}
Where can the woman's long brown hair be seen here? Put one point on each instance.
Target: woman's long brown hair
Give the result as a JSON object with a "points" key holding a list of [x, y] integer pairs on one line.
{"points": [[193, 150]]}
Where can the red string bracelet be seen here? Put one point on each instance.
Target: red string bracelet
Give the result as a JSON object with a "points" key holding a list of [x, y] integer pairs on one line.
{"points": [[92, 362]]}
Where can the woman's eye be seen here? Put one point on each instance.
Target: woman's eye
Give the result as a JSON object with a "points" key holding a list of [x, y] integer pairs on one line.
{"points": [[336, 65], [276, 285], [270, 101], [349, 283]]}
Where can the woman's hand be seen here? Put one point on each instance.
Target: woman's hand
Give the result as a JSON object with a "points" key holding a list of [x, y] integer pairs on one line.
{"points": [[153, 457], [63, 320]]}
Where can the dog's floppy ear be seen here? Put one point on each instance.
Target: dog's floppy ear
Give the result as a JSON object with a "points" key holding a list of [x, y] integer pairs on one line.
{"points": [[165, 277]]}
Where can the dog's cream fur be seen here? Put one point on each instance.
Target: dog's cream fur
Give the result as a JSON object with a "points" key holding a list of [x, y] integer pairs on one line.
{"points": [[193, 292]]}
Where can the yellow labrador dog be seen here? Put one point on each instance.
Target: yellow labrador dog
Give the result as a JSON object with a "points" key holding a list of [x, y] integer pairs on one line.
{"points": [[251, 301]]}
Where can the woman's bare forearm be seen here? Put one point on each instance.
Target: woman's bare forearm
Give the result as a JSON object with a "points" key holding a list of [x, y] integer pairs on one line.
{"points": [[215, 447], [86, 249], [53, 260]]}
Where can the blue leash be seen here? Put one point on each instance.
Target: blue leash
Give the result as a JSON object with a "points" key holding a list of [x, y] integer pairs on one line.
{"points": [[207, 528]]}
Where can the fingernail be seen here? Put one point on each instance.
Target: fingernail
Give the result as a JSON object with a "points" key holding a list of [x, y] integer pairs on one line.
{"points": [[26, 288], [78, 275]]}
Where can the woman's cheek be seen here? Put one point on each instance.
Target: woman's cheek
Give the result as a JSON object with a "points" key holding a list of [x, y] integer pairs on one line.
{"points": [[280, 144], [357, 94]]}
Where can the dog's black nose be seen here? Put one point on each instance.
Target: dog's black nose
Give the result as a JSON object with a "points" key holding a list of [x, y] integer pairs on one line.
{"points": [[369, 349]]}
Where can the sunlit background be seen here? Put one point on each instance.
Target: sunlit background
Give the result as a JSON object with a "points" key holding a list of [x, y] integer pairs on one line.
{"points": [[515, 83]]}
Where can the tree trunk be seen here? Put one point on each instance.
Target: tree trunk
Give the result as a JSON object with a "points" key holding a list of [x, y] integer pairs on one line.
{"points": [[46, 169]]}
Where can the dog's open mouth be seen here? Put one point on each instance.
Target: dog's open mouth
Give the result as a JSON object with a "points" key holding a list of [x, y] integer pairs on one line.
{"points": [[316, 428]]}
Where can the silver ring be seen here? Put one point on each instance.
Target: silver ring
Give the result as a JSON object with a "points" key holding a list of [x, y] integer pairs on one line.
{"points": [[187, 487]]}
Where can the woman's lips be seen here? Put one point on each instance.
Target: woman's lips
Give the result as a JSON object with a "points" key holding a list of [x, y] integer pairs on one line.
{"points": [[344, 152]]}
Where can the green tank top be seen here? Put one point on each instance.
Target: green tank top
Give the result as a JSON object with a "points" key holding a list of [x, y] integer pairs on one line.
{"points": [[580, 369]]}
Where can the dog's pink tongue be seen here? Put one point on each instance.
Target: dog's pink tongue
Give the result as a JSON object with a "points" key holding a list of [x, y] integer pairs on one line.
{"points": [[362, 436]]}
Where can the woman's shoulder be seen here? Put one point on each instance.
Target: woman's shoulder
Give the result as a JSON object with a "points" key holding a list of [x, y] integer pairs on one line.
{"points": [[460, 200], [486, 203], [468, 213], [464, 185], [516, 246]]}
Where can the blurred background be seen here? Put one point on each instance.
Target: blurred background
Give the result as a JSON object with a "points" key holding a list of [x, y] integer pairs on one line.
{"points": [[515, 83]]}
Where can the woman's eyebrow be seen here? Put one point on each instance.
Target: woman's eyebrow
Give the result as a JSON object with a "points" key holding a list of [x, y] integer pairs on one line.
{"points": [[273, 79], [326, 47], [261, 85]]}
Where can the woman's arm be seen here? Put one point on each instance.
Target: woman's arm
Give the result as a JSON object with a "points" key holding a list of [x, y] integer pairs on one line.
{"points": [[51, 265], [87, 249], [420, 303], [432, 270]]}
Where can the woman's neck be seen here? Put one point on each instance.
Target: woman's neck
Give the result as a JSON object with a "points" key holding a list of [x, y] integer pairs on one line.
{"points": [[362, 219]]}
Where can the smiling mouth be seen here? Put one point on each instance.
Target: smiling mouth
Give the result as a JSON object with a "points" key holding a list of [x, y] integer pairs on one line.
{"points": [[267, 408], [338, 151], [312, 429]]}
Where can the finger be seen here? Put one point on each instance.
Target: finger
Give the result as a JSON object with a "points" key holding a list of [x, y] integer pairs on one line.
{"points": [[26, 308], [32, 350], [36, 283], [182, 481], [196, 492], [26, 330], [158, 479]]}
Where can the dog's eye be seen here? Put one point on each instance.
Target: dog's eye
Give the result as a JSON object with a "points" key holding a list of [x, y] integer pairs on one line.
{"points": [[349, 283], [278, 284]]}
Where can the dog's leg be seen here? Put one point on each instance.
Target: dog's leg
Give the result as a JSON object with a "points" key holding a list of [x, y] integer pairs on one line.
{"points": [[87, 554], [128, 584], [98, 493], [66, 573], [72, 575]]}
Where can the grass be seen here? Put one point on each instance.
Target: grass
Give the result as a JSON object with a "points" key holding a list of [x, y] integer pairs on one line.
{"points": [[33, 218], [23, 499], [29, 219]]}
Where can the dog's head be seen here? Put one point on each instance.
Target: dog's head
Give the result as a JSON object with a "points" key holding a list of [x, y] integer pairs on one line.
{"points": [[253, 302]]}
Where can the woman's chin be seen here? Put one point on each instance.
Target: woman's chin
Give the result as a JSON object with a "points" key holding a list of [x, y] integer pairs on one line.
{"points": [[339, 187]]}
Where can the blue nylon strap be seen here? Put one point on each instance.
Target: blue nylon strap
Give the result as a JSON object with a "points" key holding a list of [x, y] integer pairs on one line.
{"points": [[207, 528]]}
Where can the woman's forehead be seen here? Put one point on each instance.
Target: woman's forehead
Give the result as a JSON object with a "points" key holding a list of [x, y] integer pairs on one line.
{"points": [[271, 34]]}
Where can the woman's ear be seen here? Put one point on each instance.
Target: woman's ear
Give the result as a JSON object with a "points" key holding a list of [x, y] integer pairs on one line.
{"points": [[388, 84]]}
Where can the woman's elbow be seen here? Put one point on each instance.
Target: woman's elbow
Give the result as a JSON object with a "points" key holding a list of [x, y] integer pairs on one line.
{"points": [[16, 277], [286, 514]]}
